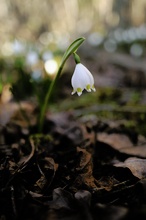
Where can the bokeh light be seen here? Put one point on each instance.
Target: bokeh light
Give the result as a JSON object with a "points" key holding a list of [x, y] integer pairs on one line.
{"points": [[51, 67]]}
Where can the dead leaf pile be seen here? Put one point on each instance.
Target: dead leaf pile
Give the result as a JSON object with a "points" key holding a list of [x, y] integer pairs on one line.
{"points": [[73, 171]]}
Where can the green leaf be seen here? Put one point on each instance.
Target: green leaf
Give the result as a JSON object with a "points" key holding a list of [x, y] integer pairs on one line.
{"points": [[72, 49]]}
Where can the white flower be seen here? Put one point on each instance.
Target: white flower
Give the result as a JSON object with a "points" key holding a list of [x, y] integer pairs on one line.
{"points": [[82, 79]]}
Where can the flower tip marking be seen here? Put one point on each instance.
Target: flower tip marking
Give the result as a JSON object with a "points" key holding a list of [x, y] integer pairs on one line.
{"points": [[79, 91], [88, 88]]}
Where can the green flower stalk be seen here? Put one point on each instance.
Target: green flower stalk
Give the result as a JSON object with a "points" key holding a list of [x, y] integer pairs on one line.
{"points": [[70, 50]]}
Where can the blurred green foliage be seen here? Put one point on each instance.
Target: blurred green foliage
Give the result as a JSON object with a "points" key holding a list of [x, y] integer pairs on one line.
{"points": [[22, 87]]}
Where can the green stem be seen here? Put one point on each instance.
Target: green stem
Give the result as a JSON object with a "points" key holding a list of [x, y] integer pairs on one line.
{"points": [[44, 107], [77, 58], [70, 50]]}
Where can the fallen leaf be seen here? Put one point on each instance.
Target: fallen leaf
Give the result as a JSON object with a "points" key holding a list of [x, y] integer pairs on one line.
{"points": [[7, 110], [84, 196], [139, 151], [136, 165], [61, 199], [117, 141], [86, 169]]}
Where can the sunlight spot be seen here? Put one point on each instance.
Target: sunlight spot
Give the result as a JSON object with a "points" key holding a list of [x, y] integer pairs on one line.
{"points": [[51, 67]]}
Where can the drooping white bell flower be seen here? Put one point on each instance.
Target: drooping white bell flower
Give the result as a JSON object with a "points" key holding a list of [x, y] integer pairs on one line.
{"points": [[82, 79]]}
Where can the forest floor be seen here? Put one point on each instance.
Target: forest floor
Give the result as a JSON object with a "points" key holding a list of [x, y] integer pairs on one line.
{"points": [[90, 160]]}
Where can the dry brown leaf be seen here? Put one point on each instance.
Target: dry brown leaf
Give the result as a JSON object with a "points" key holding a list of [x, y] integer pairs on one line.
{"points": [[49, 165], [117, 141], [136, 165], [123, 144], [139, 151], [86, 169], [7, 110], [11, 112], [85, 159]]}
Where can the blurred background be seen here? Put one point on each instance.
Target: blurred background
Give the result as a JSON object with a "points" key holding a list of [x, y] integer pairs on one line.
{"points": [[62, 21], [34, 35]]}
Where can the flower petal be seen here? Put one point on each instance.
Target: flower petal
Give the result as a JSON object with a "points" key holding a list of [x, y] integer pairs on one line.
{"points": [[88, 88], [79, 91], [82, 79], [93, 88]]}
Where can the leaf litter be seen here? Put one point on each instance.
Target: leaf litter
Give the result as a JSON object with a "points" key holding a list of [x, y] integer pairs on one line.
{"points": [[75, 170]]}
